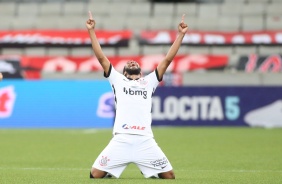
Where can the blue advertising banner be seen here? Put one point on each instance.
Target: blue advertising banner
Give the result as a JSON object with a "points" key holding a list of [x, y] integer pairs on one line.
{"points": [[90, 104], [218, 106], [58, 104]]}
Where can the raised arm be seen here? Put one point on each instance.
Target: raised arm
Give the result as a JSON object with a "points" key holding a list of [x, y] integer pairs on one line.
{"points": [[182, 29], [103, 60], [1, 76]]}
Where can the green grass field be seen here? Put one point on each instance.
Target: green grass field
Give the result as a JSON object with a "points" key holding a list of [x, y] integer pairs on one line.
{"points": [[198, 155]]}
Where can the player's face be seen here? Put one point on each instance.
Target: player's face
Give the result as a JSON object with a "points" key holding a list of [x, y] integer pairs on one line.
{"points": [[132, 68]]}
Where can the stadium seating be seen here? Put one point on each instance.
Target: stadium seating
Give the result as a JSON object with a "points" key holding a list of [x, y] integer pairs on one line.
{"points": [[81, 51], [190, 9], [245, 50], [253, 23], [138, 15], [198, 50], [228, 23], [254, 14], [208, 10], [12, 51], [265, 50], [50, 8], [58, 51], [273, 22], [228, 50], [35, 51], [27, 9], [8, 9]]}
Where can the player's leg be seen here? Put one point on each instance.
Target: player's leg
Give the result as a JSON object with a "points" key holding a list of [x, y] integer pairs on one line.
{"points": [[96, 173], [150, 172], [167, 175], [112, 160], [151, 160]]}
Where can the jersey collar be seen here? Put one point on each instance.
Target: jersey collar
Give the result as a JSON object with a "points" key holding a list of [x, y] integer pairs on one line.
{"points": [[131, 78]]}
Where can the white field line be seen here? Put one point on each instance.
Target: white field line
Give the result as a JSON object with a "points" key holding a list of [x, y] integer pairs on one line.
{"points": [[134, 170]]}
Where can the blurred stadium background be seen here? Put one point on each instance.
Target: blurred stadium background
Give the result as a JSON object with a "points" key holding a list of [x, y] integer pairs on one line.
{"points": [[225, 79], [232, 52]]}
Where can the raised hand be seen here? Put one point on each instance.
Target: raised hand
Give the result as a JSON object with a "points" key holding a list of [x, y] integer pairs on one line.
{"points": [[90, 23], [182, 27]]}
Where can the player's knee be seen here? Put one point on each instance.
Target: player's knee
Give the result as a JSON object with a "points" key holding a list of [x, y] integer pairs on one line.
{"points": [[95, 173], [167, 175]]}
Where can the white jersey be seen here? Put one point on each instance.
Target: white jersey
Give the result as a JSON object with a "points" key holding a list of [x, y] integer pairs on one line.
{"points": [[133, 100]]}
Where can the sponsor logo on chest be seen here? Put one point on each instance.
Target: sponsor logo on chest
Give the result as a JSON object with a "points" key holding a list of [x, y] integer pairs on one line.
{"points": [[135, 91], [133, 127]]}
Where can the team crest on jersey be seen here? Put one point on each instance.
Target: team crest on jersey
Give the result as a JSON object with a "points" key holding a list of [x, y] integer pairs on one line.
{"points": [[143, 82], [104, 161]]}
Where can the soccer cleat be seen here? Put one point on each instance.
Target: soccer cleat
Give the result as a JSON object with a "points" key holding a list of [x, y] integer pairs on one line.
{"points": [[156, 176], [91, 176], [108, 175]]}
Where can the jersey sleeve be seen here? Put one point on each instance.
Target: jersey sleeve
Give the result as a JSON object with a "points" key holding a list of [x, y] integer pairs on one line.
{"points": [[154, 79], [113, 75]]}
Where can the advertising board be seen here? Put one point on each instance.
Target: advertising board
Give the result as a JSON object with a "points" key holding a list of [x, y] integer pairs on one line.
{"points": [[52, 104], [90, 104]]}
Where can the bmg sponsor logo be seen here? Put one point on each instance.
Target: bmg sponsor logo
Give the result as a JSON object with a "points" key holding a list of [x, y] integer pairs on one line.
{"points": [[137, 92], [134, 127]]}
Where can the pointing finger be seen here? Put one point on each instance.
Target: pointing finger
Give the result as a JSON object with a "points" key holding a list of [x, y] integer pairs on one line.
{"points": [[182, 19], [90, 15]]}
